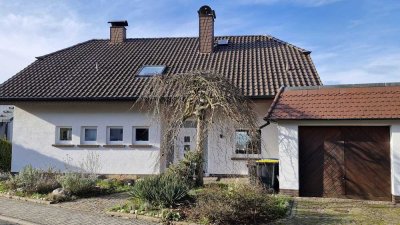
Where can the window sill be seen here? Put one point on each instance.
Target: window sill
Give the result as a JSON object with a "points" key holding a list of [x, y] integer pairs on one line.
{"points": [[63, 145], [140, 146], [243, 158], [114, 146], [88, 146]]}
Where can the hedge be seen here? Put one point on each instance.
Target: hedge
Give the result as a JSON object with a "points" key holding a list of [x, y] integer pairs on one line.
{"points": [[5, 155]]}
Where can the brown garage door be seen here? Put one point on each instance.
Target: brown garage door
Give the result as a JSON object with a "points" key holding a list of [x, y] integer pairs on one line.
{"points": [[349, 162]]}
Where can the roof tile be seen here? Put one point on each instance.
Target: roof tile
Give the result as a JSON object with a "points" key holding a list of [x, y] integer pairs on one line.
{"points": [[370, 101], [258, 64]]}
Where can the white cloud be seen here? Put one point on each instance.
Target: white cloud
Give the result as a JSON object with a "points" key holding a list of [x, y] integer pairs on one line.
{"points": [[34, 33], [378, 69]]}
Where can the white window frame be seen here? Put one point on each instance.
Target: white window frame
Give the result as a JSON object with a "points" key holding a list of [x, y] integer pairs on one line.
{"points": [[108, 136], [134, 141], [58, 137], [83, 134], [247, 154]]}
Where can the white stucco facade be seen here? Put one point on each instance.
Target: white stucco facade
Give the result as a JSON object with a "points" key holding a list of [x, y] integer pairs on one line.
{"points": [[289, 149], [36, 127], [221, 146]]}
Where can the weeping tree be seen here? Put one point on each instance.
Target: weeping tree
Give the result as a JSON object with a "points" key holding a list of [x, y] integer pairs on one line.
{"points": [[206, 97]]}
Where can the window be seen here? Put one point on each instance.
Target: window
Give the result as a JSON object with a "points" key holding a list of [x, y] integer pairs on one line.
{"points": [[150, 70], [141, 135], [115, 135], [64, 135], [186, 139], [89, 135], [247, 143]]}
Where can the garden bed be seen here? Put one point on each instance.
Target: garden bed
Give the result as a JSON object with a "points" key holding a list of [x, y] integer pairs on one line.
{"points": [[49, 187], [215, 203]]}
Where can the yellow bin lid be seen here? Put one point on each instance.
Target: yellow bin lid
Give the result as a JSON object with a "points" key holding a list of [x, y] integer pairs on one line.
{"points": [[268, 161]]}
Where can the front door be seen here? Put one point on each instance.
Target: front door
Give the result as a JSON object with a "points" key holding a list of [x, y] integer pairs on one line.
{"points": [[186, 141]]}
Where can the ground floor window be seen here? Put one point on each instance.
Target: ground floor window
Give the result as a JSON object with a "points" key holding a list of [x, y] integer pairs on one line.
{"points": [[141, 135], [89, 135], [65, 133], [247, 142], [115, 134]]}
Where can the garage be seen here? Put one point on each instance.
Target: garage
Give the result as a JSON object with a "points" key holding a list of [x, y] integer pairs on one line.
{"points": [[345, 162], [339, 141]]}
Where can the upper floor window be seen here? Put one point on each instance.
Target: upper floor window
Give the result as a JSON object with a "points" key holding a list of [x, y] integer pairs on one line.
{"points": [[247, 143], [151, 70]]}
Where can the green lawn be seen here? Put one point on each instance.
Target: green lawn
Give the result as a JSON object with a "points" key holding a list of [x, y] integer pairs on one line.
{"points": [[342, 211]]}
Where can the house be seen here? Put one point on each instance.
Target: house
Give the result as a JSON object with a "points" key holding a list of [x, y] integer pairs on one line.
{"points": [[339, 141], [75, 104]]}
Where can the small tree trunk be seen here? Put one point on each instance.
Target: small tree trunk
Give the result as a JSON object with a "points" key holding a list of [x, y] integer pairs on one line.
{"points": [[200, 135]]}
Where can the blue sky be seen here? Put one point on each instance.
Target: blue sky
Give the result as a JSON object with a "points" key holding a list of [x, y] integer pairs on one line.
{"points": [[352, 41]]}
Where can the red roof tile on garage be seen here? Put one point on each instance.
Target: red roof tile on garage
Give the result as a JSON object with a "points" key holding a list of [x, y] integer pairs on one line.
{"points": [[362, 101]]}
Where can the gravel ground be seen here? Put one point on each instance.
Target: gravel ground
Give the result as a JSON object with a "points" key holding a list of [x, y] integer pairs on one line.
{"points": [[342, 211]]}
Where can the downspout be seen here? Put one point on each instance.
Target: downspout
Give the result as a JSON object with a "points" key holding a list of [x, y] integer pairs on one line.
{"points": [[266, 118]]}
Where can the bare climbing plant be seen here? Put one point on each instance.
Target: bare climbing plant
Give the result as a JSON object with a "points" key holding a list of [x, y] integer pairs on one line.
{"points": [[206, 97]]}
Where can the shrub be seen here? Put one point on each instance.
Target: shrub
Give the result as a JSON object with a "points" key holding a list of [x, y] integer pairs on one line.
{"points": [[185, 169], [113, 185], [77, 183], [161, 190], [4, 176], [32, 180], [5, 155], [239, 204]]}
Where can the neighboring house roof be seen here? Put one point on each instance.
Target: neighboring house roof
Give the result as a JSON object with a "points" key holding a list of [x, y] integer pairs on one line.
{"points": [[363, 101], [99, 70]]}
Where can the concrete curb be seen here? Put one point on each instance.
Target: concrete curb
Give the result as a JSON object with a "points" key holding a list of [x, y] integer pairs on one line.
{"points": [[17, 221], [26, 199]]}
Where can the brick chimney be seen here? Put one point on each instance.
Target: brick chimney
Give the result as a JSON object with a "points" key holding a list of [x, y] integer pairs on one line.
{"points": [[118, 31], [206, 29]]}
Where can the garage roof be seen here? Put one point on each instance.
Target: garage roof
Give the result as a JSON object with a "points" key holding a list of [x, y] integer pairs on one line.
{"points": [[357, 101]]}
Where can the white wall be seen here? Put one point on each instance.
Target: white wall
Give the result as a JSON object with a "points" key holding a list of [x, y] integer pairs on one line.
{"points": [[288, 149], [395, 158], [35, 132], [222, 150], [35, 129], [288, 156]]}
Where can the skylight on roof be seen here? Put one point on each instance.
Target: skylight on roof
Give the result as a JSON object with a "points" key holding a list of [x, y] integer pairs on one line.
{"points": [[151, 70], [222, 41]]}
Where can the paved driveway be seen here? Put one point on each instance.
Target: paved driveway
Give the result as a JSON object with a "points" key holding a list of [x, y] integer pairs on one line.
{"points": [[342, 211], [50, 215]]}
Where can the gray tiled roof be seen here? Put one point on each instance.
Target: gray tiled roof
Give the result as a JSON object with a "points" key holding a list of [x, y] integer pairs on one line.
{"points": [[96, 69]]}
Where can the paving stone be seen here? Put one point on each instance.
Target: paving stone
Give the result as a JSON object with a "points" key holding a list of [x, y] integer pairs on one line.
{"points": [[50, 215]]}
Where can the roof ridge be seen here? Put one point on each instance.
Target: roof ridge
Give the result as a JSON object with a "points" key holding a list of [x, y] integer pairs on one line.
{"points": [[64, 49], [386, 84], [305, 51]]}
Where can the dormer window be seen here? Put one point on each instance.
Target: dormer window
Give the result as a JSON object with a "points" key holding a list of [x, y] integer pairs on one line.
{"points": [[151, 70]]}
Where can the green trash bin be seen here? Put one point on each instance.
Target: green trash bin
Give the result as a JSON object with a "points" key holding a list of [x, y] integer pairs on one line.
{"points": [[266, 171]]}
